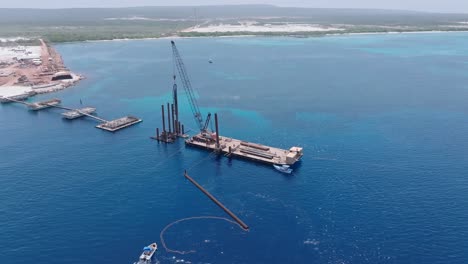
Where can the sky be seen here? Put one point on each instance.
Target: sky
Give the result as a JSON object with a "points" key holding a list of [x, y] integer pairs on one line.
{"points": [[456, 6]]}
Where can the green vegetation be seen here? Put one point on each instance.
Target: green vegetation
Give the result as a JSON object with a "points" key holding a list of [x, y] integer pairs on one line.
{"points": [[78, 24], [111, 30], [21, 42]]}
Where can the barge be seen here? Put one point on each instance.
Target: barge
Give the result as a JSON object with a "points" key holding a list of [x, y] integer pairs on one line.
{"points": [[247, 150], [120, 123]]}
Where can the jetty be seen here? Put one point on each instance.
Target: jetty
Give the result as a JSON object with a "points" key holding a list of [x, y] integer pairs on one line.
{"points": [[44, 104], [74, 114], [71, 114], [120, 123]]}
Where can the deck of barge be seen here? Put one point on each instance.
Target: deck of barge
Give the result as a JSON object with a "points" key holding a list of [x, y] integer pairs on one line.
{"points": [[252, 151], [120, 123]]}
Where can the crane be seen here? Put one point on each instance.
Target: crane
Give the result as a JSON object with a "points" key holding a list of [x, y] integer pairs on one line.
{"points": [[189, 90], [207, 122]]}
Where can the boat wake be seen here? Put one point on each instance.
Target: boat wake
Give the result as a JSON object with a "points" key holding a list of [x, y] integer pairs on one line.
{"points": [[161, 235]]}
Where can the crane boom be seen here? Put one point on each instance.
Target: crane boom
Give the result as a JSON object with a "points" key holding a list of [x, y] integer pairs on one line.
{"points": [[187, 86], [207, 122]]}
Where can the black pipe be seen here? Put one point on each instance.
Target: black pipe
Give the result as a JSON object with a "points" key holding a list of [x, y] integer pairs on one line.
{"points": [[218, 203], [217, 131], [176, 104], [174, 127], [168, 118], [164, 121]]}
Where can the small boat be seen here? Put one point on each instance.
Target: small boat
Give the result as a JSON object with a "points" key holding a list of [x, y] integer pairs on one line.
{"points": [[148, 253], [283, 168], [210, 61]]}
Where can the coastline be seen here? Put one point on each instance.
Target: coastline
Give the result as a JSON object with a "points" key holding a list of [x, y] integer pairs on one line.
{"points": [[283, 34], [30, 70], [51, 86], [165, 37], [399, 32]]}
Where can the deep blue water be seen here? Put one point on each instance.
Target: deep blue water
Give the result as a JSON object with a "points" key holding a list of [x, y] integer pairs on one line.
{"points": [[383, 120]]}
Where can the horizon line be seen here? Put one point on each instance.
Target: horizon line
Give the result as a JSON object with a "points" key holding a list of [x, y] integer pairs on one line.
{"points": [[222, 5]]}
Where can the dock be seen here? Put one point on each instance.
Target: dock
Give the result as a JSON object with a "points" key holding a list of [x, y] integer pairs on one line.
{"points": [[44, 104], [16, 98], [217, 202], [71, 114], [36, 106], [120, 123], [74, 114]]}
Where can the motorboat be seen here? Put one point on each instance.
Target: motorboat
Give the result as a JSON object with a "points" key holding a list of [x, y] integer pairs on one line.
{"points": [[283, 168], [148, 253]]}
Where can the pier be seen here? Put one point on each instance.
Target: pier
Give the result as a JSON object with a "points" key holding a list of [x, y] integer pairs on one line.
{"points": [[218, 203], [36, 106], [13, 100], [120, 123], [45, 104], [74, 114], [111, 126]]}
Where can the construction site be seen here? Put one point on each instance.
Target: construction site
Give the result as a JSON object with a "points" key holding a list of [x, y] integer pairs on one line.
{"points": [[212, 140], [49, 69], [29, 70], [35, 69]]}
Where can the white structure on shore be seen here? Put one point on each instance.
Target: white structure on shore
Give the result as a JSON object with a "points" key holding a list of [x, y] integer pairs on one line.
{"points": [[253, 26]]}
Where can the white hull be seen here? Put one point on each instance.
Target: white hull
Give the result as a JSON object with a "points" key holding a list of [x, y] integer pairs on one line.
{"points": [[148, 254], [283, 169]]}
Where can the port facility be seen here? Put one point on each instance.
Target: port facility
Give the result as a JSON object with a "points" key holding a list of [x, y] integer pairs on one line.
{"points": [[111, 126]]}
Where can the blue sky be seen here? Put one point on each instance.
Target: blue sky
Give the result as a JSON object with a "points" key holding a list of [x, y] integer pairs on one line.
{"points": [[420, 5]]}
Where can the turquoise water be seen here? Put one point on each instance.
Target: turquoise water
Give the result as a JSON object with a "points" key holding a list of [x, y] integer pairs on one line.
{"points": [[382, 118]]}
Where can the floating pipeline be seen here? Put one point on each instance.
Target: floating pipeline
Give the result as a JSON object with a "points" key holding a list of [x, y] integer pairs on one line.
{"points": [[231, 214]]}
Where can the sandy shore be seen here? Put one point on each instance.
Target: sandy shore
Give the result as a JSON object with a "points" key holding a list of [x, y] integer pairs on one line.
{"points": [[398, 32], [267, 28], [261, 35]]}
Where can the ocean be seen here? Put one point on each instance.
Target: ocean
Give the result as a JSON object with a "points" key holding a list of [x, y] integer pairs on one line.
{"points": [[383, 120]]}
